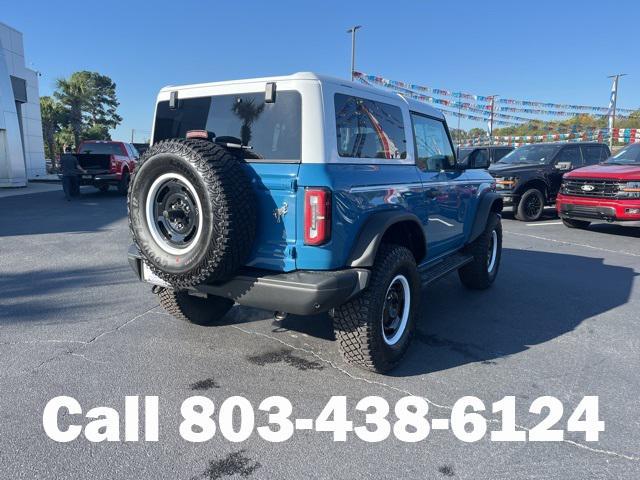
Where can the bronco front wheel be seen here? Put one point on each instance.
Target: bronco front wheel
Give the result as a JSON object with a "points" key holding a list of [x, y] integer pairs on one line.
{"points": [[481, 272]]}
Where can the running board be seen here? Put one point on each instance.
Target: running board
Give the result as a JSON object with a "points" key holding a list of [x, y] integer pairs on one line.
{"points": [[431, 273]]}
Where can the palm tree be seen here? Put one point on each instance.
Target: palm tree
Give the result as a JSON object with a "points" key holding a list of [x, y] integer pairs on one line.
{"points": [[51, 125], [248, 112], [74, 96]]}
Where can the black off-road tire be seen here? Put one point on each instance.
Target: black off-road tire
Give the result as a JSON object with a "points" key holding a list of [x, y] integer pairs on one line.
{"points": [[523, 211], [123, 184], [198, 310], [228, 213], [481, 272], [571, 223], [358, 323]]}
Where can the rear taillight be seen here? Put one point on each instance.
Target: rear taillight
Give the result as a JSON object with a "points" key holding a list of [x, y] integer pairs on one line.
{"points": [[317, 215], [112, 163]]}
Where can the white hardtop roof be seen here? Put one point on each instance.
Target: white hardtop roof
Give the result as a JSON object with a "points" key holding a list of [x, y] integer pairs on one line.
{"points": [[414, 105]]}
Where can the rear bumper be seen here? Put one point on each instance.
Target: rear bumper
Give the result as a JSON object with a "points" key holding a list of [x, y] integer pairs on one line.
{"points": [[580, 208], [302, 292], [95, 178]]}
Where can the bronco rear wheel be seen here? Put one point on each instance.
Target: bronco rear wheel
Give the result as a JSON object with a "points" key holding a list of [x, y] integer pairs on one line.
{"points": [[191, 212], [374, 329]]}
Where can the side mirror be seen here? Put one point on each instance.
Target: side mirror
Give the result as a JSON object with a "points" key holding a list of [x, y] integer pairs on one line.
{"points": [[564, 166]]}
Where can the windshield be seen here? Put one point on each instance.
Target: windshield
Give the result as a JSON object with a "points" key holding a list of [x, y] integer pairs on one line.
{"points": [[531, 155], [629, 155], [101, 148]]}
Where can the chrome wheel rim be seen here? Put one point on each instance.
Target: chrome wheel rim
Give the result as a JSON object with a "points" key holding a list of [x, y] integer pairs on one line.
{"points": [[173, 212], [395, 311]]}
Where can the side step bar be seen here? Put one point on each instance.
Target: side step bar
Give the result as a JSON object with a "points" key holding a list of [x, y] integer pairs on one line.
{"points": [[431, 273]]}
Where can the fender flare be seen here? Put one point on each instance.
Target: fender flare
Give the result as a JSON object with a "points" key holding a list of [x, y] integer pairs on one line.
{"points": [[363, 253], [489, 202]]}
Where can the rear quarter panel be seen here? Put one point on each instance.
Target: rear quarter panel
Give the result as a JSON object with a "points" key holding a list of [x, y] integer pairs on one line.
{"points": [[357, 192]]}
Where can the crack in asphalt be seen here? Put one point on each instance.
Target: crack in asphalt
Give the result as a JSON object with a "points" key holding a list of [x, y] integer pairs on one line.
{"points": [[84, 344], [429, 401], [620, 252]]}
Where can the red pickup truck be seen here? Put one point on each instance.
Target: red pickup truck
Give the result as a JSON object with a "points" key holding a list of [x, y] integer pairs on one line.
{"points": [[107, 163], [607, 192]]}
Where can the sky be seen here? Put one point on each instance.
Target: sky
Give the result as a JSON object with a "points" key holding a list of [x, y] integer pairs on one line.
{"points": [[553, 51]]}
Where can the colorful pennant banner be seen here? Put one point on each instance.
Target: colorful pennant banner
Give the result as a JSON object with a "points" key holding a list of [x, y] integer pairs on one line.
{"points": [[499, 118], [556, 109]]}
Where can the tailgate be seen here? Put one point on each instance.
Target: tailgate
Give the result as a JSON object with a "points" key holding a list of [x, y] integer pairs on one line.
{"points": [[275, 186], [94, 161]]}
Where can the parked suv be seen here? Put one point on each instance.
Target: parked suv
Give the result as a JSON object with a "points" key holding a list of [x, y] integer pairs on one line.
{"points": [[306, 194], [606, 192], [107, 163], [529, 178], [482, 156]]}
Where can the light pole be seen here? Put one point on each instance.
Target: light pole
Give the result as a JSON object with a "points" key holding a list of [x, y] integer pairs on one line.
{"points": [[612, 104], [493, 102], [352, 31]]}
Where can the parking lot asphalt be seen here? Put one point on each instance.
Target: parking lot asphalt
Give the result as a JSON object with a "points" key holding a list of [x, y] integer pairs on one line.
{"points": [[561, 320]]}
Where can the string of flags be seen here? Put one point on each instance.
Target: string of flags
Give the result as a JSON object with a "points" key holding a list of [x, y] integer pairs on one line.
{"points": [[481, 112], [540, 108]]}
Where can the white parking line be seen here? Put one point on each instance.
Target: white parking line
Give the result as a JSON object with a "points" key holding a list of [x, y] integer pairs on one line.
{"points": [[542, 224], [621, 252]]}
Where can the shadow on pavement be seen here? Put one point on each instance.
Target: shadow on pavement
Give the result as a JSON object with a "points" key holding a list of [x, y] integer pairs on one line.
{"points": [[532, 302], [35, 294], [49, 212], [613, 229]]}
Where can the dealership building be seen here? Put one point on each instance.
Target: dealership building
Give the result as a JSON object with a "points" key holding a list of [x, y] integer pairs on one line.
{"points": [[21, 144]]}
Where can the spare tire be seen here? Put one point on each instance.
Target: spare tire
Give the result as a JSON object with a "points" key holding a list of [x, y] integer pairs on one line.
{"points": [[191, 211]]}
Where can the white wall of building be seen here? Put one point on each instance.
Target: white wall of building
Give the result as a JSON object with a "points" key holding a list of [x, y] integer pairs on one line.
{"points": [[21, 152]]}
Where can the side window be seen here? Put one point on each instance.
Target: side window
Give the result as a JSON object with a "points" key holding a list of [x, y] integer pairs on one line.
{"points": [[498, 153], [593, 154], [480, 158], [570, 154], [433, 147], [368, 129]]}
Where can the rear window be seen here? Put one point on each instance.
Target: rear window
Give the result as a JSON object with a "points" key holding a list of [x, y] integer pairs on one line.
{"points": [[272, 130], [368, 129], [102, 148]]}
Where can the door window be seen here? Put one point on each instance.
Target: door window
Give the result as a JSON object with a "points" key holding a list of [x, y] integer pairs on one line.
{"points": [[570, 154], [498, 153], [434, 151], [479, 158], [593, 154], [368, 129]]}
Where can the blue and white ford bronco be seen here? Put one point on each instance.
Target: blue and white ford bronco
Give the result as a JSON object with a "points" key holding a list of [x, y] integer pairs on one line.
{"points": [[305, 194]]}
